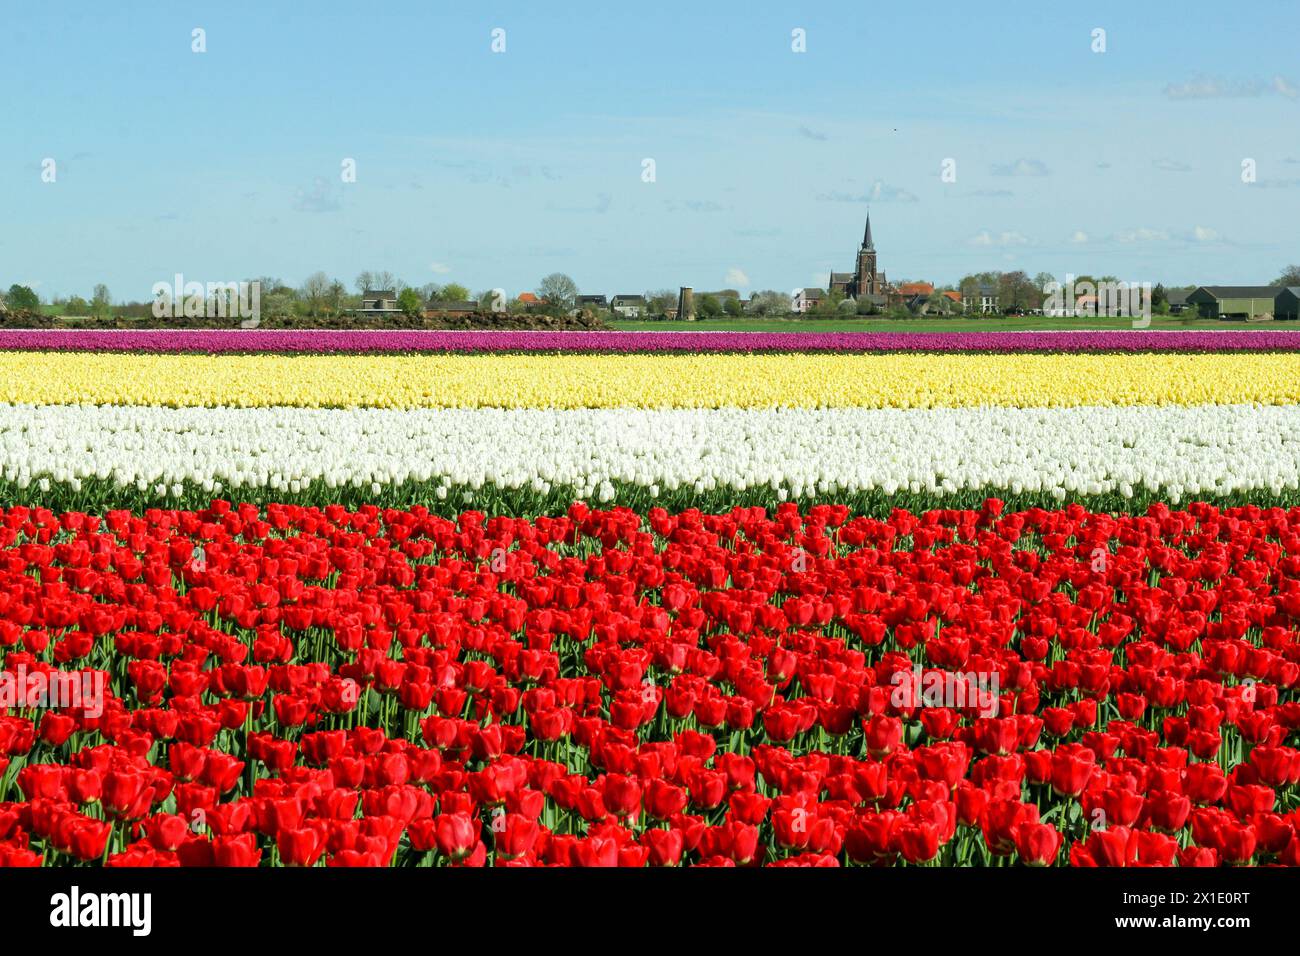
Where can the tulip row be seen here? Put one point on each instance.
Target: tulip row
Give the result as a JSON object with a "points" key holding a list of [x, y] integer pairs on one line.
{"points": [[649, 381], [165, 454], [295, 686], [326, 341]]}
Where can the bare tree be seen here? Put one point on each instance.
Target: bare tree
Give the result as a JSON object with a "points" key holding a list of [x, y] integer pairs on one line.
{"points": [[558, 290], [315, 292], [1290, 276], [100, 302], [337, 293]]}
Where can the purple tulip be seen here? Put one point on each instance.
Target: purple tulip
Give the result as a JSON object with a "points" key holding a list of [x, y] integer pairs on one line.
{"points": [[217, 341]]}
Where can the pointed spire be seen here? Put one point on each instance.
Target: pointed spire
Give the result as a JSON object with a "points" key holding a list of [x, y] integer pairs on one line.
{"points": [[866, 236]]}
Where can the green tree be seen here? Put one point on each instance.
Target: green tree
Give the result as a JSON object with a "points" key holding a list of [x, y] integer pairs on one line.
{"points": [[408, 300], [658, 303], [708, 307], [1159, 300], [733, 307], [21, 298], [453, 292]]}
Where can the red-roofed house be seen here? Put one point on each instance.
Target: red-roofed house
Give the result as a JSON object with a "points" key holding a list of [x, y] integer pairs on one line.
{"points": [[909, 289]]}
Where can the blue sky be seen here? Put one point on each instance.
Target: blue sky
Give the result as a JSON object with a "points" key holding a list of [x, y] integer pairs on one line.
{"points": [[494, 169]]}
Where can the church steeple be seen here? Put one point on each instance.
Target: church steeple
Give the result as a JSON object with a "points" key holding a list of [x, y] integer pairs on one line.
{"points": [[866, 236]]}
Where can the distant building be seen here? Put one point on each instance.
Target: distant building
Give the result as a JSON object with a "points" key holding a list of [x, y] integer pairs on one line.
{"points": [[982, 298], [1235, 301], [1177, 299], [379, 302], [686, 304], [628, 306], [805, 300], [909, 289], [458, 310], [597, 303], [1287, 303], [529, 299], [865, 279]]}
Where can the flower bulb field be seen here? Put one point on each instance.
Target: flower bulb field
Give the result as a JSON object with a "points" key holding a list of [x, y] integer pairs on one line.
{"points": [[428, 600]]}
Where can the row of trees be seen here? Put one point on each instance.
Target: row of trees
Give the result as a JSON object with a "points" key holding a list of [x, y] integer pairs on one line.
{"points": [[21, 298], [321, 295]]}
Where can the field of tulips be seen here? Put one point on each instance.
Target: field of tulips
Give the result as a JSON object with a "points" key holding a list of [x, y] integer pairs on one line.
{"points": [[381, 687], [429, 599], [331, 341]]}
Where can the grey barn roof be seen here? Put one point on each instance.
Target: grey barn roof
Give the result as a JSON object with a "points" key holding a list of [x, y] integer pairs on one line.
{"points": [[1241, 291]]}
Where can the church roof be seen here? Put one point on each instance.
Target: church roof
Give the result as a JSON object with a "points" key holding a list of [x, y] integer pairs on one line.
{"points": [[866, 236]]}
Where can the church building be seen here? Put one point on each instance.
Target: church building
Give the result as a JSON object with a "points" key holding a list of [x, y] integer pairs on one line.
{"points": [[865, 281]]}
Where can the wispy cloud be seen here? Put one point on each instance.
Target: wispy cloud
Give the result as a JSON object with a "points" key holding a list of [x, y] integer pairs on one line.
{"points": [[1171, 166], [1141, 234], [599, 207], [879, 192], [692, 205], [737, 277], [323, 196], [813, 134], [1203, 87], [1021, 167]]}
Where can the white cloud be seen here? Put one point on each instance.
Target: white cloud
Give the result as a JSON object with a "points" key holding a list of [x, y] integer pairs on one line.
{"points": [[736, 277], [1204, 234], [439, 268], [1141, 234], [1079, 236], [986, 238]]}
